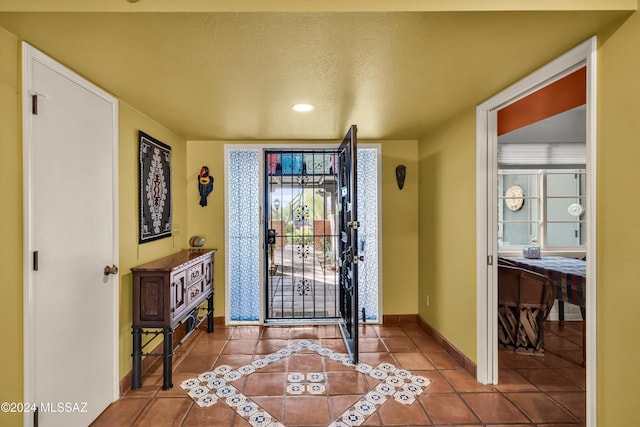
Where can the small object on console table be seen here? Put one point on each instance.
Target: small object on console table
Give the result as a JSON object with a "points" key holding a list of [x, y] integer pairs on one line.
{"points": [[168, 292]]}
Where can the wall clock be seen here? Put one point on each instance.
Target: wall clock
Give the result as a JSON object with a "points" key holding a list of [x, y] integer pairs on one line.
{"points": [[514, 197], [575, 209]]}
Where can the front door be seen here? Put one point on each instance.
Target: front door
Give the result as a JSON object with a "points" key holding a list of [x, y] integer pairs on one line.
{"points": [[312, 237], [301, 235], [71, 209], [348, 242]]}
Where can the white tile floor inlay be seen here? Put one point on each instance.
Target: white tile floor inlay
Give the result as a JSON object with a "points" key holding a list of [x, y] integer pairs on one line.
{"points": [[299, 383], [211, 387]]}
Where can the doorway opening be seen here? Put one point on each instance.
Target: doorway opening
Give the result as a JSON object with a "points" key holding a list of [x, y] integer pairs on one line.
{"points": [[302, 236], [487, 219], [248, 205]]}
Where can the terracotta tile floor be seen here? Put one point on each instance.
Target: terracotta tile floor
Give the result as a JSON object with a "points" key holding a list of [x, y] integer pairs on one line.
{"points": [[541, 391]]}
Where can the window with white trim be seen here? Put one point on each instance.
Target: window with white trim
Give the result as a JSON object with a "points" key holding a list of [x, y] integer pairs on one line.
{"points": [[544, 207]]}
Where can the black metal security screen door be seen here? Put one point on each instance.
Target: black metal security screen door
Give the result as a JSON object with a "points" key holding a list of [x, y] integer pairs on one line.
{"points": [[348, 242], [301, 235], [312, 237]]}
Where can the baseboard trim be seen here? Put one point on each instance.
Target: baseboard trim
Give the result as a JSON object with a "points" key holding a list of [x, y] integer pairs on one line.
{"points": [[147, 364], [466, 363], [398, 319]]}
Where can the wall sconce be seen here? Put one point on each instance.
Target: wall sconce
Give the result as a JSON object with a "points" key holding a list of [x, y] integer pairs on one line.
{"points": [[401, 173]]}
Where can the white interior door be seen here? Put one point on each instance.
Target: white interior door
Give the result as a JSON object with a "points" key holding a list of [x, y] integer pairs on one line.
{"points": [[70, 178]]}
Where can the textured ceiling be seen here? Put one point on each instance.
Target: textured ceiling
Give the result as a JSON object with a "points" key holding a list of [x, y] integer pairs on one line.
{"points": [[234, 76]]}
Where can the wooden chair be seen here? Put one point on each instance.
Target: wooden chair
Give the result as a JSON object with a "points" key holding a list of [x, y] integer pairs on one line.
{"points": [[524, 301], [504, 261]]}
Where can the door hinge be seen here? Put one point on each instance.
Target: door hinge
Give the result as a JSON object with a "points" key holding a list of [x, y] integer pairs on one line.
{"points": [[489, 259], [35, 417], [34, 100], [35, 260]]}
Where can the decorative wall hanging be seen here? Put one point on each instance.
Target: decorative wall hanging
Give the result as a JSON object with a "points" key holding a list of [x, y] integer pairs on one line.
{"points": [[205, 185], [401, 173], [154, 189]]}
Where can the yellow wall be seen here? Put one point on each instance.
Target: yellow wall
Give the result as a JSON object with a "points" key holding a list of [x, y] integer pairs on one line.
{"points": [[447, 232], [399, 220], [208, 221], [447, 227], [10, 227], [399, 229], [445, 267], [618, 291], [132, 253]]}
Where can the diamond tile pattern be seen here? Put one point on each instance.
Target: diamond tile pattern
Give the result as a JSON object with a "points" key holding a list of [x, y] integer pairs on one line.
{"points": [[399, 383], [405, 378]]}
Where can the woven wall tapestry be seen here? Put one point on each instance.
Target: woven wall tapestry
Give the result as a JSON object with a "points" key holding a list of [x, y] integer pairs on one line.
{"points": [[155, 188]]}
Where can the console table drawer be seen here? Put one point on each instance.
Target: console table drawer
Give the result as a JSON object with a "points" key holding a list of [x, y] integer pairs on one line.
{"points": [[166, 289]]}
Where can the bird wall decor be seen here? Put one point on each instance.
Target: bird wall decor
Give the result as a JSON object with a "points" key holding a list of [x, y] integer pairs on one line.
{"points": [[205, 185]]}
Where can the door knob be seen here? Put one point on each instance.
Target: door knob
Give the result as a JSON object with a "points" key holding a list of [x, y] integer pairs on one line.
{"points": [[110, 270]]}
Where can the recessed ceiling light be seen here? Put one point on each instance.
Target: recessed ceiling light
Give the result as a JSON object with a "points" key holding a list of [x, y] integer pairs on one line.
{"points": [[302, 107]]}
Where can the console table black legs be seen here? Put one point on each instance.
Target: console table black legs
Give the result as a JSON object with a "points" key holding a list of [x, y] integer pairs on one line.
{"points": [[167, 356], [210, 315], [175, 291], [136, 381], [167, 347], [167, 359]]}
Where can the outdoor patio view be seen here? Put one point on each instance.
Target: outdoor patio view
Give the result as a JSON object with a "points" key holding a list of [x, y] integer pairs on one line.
{"points": [[302, 261]]}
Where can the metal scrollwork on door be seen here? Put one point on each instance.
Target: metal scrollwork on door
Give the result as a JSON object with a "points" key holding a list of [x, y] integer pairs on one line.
{"points": [[303, 287], [345, 280], [301, 213], [303, 250], [303, 178]]}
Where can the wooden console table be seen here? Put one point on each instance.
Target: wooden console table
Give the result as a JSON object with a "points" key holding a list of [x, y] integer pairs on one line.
{"points": [[167, 293]]}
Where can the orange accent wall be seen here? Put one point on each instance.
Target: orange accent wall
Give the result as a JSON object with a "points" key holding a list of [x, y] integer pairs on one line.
{"points": [[567, 93]]}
